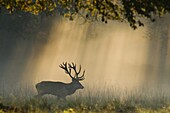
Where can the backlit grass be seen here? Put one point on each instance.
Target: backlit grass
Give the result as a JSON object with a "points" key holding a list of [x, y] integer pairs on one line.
{"points": [[139, 101]]}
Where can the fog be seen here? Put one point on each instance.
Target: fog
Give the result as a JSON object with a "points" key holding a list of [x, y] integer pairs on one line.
{"points": [[113, 54]]}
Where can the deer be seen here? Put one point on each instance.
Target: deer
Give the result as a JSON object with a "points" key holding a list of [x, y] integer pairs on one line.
{"points": [[60, 89]]}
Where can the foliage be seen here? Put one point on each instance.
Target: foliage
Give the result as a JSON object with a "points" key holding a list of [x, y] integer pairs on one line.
{"points": [[93, 10]]}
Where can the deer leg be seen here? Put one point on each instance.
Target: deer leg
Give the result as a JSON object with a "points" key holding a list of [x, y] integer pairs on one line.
{"points": [[40, 95], [61, 98]]}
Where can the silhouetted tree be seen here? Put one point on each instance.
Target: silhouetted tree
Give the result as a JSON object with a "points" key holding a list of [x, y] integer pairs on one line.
{"points": [[129, 11]]}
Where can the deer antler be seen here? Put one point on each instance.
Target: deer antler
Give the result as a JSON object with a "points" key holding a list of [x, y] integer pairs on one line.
{"points": [[73, 66], [64, 66], [68, 70], [82, 77]]}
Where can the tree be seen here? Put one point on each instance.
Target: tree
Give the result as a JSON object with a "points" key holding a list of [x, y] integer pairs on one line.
{"points": [[129, 11]]}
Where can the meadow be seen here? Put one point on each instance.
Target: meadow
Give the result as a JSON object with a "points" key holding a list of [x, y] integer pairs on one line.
{"points": [[108, 101]]}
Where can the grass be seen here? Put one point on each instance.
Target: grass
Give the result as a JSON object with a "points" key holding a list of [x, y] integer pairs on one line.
{"points": [[139, 101]]}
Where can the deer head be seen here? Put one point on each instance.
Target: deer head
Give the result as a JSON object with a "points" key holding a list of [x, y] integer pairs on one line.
{"points": [[75, 80]]}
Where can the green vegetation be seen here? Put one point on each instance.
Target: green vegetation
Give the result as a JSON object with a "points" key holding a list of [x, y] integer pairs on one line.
{"points": [[129, 11], [99, 102]]}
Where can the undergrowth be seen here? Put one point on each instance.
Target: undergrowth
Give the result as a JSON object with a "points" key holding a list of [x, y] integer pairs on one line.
{"points": [[88, 102]]}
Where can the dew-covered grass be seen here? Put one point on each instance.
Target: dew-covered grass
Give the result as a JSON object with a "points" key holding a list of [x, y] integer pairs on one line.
{"points": [[104, 101]]}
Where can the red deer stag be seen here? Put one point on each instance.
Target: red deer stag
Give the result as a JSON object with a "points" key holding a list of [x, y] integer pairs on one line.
{"points": [[60, 89]]}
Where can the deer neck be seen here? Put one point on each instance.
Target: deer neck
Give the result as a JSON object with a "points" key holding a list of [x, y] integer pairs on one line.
{"points": [[71, 87]]}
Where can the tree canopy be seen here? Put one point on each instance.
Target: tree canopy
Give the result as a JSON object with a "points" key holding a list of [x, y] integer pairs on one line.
{"points": [[129, 11]]}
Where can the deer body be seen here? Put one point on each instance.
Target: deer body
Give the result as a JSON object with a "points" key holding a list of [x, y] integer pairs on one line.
{"points": [[60, 89]]}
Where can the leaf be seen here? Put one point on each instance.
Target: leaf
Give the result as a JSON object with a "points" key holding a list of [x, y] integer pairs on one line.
{"points": [[8, 6]]}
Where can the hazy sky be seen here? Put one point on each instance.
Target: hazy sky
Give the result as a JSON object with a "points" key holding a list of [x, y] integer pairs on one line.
{"points": [[112, 54]]}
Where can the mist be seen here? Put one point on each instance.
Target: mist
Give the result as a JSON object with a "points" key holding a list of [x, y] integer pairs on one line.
{"points": [[113, 54]]}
